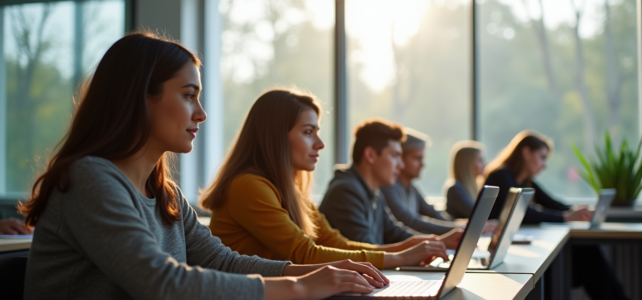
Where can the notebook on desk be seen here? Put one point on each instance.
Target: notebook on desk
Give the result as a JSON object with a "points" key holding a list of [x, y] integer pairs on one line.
{"points": [[508, 224], [599, 215], [436, 289]]}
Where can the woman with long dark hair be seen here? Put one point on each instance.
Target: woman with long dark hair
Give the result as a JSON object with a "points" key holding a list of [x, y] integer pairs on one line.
{"points": [[516, 166], [111, 222], [261, 203]]}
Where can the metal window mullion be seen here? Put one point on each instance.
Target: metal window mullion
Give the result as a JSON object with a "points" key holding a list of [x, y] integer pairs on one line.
{"points": [[340, 86], [3, 109], [473, 73]]}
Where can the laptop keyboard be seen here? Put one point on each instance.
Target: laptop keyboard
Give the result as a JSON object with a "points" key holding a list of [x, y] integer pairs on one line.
{"points": [[406, 288], [416, 288]]}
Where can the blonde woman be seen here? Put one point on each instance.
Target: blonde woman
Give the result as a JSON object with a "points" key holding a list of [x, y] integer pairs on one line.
{"points": [[466, 167], [260, 199]]}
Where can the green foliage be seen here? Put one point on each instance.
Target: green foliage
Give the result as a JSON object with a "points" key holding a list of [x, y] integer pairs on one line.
{"points": [[621, 169]]}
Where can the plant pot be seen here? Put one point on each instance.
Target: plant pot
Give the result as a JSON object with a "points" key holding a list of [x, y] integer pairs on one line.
{"points": [[622, 203]]}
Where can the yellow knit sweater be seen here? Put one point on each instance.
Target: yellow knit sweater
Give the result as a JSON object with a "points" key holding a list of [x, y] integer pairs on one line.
{"points": [[252, 221]]}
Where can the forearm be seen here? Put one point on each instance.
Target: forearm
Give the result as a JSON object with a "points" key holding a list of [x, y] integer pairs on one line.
{"points": [[282, 288]]}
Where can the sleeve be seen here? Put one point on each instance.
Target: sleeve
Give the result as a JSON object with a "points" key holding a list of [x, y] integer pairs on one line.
{"points": [[347, 212], [458, 202], [330, 237], [255, 206], [208, 251], [404, 214], [392, 233], [109, 230], [428, 210], [542, 198]]}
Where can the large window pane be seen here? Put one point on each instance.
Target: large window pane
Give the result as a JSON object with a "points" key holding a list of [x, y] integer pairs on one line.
{"points": [[408, 61], [47, 49], [278, 43], [565, 68]]}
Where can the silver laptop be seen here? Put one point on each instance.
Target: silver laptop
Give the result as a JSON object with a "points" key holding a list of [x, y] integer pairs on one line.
{"points": [[437, 289], [508, 224], [599, 215]]}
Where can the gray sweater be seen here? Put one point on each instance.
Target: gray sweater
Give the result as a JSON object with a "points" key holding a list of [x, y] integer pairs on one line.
{"points": [[358, 212], [408, 206], [459, 204], [102, 239]]}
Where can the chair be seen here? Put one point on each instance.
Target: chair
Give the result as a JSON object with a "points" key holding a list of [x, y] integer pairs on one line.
{"points": [[12, 277]]}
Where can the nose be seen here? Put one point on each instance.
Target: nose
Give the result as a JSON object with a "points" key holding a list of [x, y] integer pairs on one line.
{"points": [[199, 115], [318, 144], [401, 165]]}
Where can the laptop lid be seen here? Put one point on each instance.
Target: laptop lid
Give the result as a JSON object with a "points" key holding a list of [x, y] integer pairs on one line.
{"points": [[466, 247], [511, 216], [603, 204]]}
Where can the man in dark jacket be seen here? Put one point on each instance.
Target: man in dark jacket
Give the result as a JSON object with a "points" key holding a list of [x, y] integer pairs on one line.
{"points": [[353, 203]]}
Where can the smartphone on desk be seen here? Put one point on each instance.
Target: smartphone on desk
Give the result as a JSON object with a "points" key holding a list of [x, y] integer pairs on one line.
{"points": [[520, 239]]}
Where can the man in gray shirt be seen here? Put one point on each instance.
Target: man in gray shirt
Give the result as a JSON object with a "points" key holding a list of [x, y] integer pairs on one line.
{"points": [[353, 203], [406, 204]]}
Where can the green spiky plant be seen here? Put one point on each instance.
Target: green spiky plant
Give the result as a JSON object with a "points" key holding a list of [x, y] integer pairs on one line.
{"points": [[621, 170]]}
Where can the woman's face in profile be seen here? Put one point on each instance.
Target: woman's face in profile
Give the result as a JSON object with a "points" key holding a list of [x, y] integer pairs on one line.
{"points": [[176, 113], [305, 142], [535, 160]]}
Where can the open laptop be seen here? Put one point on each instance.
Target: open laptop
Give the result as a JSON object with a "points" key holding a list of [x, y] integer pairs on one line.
{"points": [[436, 289], [599, 215], [510, 218]]}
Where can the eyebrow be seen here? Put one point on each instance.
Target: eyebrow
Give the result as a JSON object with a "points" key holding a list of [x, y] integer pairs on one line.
{"points": [[312, 125], [192, 85]]}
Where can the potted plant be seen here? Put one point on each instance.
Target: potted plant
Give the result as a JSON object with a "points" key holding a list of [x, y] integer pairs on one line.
{"points": [[621, 170]]}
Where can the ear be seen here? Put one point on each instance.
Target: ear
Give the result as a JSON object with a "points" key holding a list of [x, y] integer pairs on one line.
{"points": [[369, 155]]}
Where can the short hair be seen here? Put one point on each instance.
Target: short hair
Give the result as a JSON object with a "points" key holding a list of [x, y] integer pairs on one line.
{"points": [[415, 140], [375, 133]]}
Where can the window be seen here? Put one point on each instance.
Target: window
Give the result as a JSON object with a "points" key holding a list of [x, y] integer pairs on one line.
{"points": [[278, 43], [408, 61], [566, 69], [47, 49]]}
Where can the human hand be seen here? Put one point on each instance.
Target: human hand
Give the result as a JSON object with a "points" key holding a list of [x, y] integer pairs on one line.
{"points": [[13, 226], [451, 238], [421, 253], [319, 284], [372, 274], [582, 214]]}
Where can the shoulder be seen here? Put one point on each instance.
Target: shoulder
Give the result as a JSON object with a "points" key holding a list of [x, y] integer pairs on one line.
{"points": [[91, 172], [501, 174], [456, 187], [245, 187]]}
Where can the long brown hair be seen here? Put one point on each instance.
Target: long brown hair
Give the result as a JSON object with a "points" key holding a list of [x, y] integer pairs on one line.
{"points": [[511, 156], [262, 147], [112, 119], [462, 161]]}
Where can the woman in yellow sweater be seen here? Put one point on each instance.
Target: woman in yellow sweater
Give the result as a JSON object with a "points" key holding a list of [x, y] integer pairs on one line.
{"points": [[260, 199]]}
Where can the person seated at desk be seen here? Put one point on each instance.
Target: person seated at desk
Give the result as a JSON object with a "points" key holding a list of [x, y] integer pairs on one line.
{"points": [[260, 200], [406, 203], [516, 166], [466, 167], [13, 226], [353, 202], [111, 222]]}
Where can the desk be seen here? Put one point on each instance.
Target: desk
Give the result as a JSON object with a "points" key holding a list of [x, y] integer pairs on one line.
{"points": [[531, 259], [610, 230], [7, 245], [477, 285]]}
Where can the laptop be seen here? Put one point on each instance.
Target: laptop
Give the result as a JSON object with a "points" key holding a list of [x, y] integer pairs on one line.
{"points": [[599, 215], [510, 218], [437, 289]]}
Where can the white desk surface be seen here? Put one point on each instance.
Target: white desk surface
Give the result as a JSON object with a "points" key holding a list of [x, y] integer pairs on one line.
{"points": [[610, 230], [476, 285], [535, 258], [7, 245]]}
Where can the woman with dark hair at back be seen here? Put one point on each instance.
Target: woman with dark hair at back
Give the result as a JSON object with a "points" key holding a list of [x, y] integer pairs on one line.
{"points": [[261, 203], [516, 166], [111, 222]]}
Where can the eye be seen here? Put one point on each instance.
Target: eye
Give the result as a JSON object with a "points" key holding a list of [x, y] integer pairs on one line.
{"points": [[308, 131], [189, 96]]}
